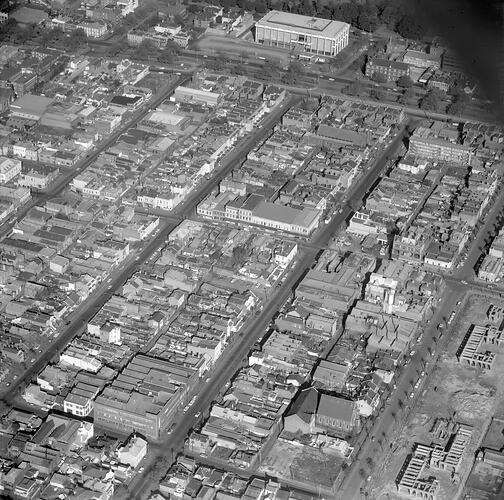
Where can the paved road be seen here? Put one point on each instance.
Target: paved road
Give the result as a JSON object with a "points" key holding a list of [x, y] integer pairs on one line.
{"points": [[88, 309], [332, 85], [458, 285], [64, 180], [233, 355]]}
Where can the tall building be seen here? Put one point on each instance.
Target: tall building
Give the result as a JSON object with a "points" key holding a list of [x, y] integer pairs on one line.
{"points": [[305, 33]]}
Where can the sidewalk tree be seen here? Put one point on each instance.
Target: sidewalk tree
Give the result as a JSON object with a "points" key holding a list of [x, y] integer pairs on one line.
{"points": [[377, 94], [166, 56], [432, 101], [405, 82], [354, 89], [76, 39], [146, 50], [379, 78], [411, 27], [270, 69], [291, 76]]}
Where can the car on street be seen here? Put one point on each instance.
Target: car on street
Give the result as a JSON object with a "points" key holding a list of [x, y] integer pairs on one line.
{"points": [[197, 415], [464, 282], [412, 395]]}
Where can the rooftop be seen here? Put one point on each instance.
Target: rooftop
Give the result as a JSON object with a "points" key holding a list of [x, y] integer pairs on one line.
{"points": [[302, 24], [34, 104]]}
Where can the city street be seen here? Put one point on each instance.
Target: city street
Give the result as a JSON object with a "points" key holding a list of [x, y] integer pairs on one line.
{"points": [[62, 182], [458, 285], [89, 308], [231, 360]]}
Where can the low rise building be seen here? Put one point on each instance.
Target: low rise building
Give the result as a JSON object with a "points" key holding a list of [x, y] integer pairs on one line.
{"points": [[9, 168], [421, 59], [133, 451], [93, 30], [391, 70], [480, 346], [414, 480]]}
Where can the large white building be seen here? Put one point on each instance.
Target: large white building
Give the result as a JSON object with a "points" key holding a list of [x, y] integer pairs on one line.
{"points": [[309, 34]]}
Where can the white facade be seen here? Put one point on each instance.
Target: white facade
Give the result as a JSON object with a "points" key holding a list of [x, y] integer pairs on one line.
{"points": [[78, 405], [133, 452], [9, 168], [93, 30], [127, 6], [313, 35]]}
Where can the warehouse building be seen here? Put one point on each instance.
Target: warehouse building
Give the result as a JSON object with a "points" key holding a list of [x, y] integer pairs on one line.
{"points": [[144, 397], [305, 33]]}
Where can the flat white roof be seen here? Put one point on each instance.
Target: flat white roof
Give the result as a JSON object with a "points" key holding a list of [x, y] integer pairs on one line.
{"points": [[302, 24]]}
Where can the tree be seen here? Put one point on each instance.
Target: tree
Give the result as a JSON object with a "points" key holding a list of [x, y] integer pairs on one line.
{"points": [[120, 30], [130, 19], [270, 70], [377, 94], [166, 56], [146, 50], [390, 16], [354, 88], [239, 254], [407, 96], [366, 22], [291, 76], [405, 82], [347, 12], [431, 101], [378, 77], [455, 108], [411, 27], [460, 101], [76, 39]]}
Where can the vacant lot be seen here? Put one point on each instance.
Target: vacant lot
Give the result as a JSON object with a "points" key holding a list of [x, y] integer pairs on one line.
{"points": [[301, 463], [453, 391]]}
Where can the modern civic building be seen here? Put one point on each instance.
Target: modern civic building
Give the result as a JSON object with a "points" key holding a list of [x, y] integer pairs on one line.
{"points": [[309, 34]]}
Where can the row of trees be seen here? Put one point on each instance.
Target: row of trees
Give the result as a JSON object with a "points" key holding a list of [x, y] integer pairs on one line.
{"points": [[43, 37], [397, 15]]}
